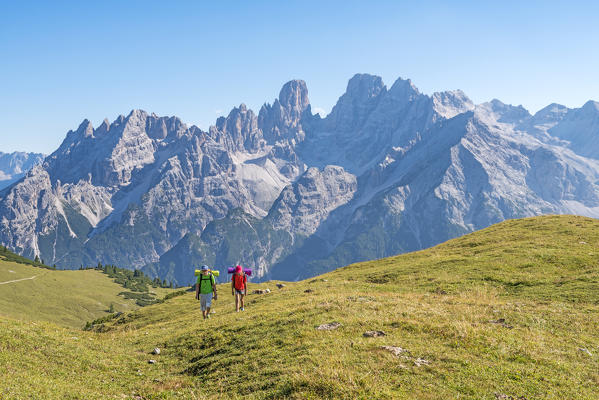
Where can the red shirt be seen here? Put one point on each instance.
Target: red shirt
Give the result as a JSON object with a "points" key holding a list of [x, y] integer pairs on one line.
{"points": [[239, 281]]}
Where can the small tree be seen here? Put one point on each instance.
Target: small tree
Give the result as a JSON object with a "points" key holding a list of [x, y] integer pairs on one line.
{"points": [[36, 259], [111, 309]]}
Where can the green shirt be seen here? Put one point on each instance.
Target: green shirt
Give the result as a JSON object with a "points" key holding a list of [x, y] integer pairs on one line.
{"points": [[206, 283]]}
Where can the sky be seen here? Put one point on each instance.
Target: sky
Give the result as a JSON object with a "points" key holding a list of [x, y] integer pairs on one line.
{"points": [[62, 62]]}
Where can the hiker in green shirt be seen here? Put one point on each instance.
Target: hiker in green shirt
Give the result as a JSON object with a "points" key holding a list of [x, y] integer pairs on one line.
{"points": [[205, 288]]}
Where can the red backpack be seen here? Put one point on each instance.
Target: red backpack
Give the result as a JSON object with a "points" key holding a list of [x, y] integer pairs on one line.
{"points": [[239, 281]]}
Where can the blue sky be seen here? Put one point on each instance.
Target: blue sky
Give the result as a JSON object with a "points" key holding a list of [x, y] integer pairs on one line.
{"points": [[65, 61]]}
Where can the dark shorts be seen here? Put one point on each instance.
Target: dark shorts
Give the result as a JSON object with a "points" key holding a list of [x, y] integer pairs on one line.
{"points": [[242, 292]]}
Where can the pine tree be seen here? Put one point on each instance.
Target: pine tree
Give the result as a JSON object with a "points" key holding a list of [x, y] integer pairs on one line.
{"points": [[111, 309]]}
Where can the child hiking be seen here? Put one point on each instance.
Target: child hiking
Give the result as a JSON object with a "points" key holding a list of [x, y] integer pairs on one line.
{"points": [[205, 289], [239, 287]]}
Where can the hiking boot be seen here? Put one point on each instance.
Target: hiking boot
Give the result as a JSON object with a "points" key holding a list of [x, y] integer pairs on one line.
{"points": [[242, 309]]}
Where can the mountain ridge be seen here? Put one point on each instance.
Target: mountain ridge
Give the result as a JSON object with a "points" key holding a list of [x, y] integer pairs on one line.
{"points": [[426, 168]]}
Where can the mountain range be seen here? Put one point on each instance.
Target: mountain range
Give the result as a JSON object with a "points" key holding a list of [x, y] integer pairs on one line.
{"points": [[14, 165], [292, 194]]}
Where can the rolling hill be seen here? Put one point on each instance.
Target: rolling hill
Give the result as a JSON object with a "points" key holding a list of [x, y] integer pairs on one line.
{"points": [[30, 292], [509, 312]]}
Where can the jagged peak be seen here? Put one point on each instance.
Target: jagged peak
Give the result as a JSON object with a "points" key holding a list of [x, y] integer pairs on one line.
{"points": [[104, 127], [365, 85], [451, 103], [404, 85], [294, 95], [137, 113], [86, 128]]}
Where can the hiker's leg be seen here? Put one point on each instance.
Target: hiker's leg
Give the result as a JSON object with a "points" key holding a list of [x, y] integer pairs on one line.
{"points": [[242, 301], [236, 301]]}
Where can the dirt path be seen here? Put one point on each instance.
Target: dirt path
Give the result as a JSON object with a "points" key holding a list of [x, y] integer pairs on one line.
{"points": [[18, 280]]}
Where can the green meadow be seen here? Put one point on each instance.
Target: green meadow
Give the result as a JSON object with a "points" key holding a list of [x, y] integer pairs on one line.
{"points": [[509, 312], [67, 298]]}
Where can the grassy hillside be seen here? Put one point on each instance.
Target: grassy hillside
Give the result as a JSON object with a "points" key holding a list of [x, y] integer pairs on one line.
{"points": [[512, 310], [67, 298]]}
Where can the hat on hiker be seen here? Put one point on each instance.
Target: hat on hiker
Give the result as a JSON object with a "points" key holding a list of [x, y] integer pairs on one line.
{"points": [[238, 269], [205, 268]]}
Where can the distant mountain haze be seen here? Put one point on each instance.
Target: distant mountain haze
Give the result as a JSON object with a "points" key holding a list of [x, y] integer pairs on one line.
{"points": [[292, 194], [14, 165]]}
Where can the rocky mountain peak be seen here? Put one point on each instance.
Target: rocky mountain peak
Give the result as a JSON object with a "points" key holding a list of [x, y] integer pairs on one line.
{"points": [[282, 120], [103, 128], [591, 106], [239, 130], [365, 86], [85, 129], [404, 88], [551, 114], [361, 97], [294, 97], [502, 112], [451, 103]]}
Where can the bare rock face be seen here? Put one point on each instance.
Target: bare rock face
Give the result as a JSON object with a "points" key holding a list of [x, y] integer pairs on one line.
{"points": [[302, 207]]}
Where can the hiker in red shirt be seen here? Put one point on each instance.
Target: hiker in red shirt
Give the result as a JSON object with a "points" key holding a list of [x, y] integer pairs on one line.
{"points": [[239, 287]]}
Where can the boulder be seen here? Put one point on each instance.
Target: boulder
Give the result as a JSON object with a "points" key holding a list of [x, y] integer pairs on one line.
{"points": [[329, 327], [395, 350], [420, 362], [374, 334]]}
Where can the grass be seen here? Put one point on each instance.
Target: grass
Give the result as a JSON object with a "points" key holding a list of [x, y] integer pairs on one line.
{"points": [[67, 298], [505, 310]]}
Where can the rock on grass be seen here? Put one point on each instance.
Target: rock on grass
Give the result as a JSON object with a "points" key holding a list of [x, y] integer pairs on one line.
{"points": [[395, 350], [374, 334], [328, 327]]}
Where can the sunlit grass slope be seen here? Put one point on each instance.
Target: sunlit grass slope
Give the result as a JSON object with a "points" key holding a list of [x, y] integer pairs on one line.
{"points": [[68, 298], [511, 310]]}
